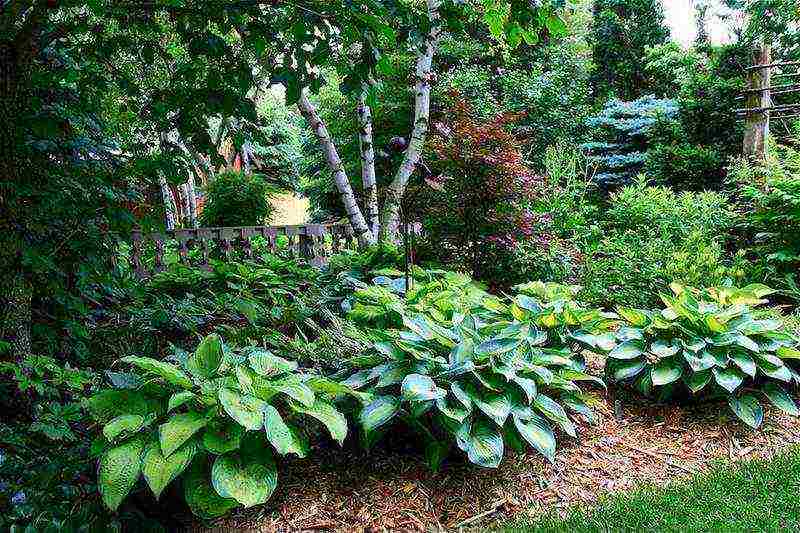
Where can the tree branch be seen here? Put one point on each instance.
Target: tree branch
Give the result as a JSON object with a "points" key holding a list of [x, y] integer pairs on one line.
{"points": [[367, 148]]}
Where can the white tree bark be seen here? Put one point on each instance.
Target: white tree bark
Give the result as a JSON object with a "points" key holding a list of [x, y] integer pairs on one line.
{"points": [[422, 102], [354, 215], [367, 148], [169, 202], [191, 192]]}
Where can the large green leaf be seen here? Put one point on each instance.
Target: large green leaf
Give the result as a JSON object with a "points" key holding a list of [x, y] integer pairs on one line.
{"points": [[159, 471], [497, 346], [167, 371], [266, 364], [484, 445], [452, 409], [416, 387], [552, 410], [697, 380], [284, 438], [201, 497], [698, 364], [663, 349], [378, 412], [180, 398], [729, 378], [665, 372], [496, 406], [623, 370], [205, 361], [178, 429], [538, 433], [295, 389], [222, 435], [626, 350], [745, 363], [119, 470], [109, 404], [246, 410], [249, 479], [780, 398], [747, 409], [123, 427], [328, 415]]}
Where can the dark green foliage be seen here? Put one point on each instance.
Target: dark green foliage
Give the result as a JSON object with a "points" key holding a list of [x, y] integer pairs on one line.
{"points": [[686, 167], [755, 495], [621, 32], [237, 199]]}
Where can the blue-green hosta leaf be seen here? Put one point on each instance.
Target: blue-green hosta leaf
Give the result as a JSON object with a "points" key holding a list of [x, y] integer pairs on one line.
{"points": [[781, 373], [388, 349], [552, 410], [267, 364], [205, 361], [624, 370], [284, 438], [201, 497], [662, 349], [249, 479], [124, 380], [665, 372], [167, 371], [747, 409], [767, 361], [123, 427], [456, 369], [416, 387], [246, 410], [698, 364], [497, 346], [453, 410], [419, 325], [729, 378], [536, 337], [328, 415], [222, 436], [720, 358], [577, 403], [462, 351], [574, 375], [378, 412], [496, 406], [697, 380], [694, 345], [747, 343], [179, 398], [462, 395], [389, 374], [295, 389], [585, 337], [528, 303], [745, 363], [527, 385], [785, 352], [626, 334], [538, 433], [159, 471], [626, 350], [484, 445], [778, 396], [178, 429], [119, 470]]}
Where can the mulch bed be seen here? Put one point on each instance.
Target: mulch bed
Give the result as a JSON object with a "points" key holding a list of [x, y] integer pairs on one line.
{"points": [[631, 443]]}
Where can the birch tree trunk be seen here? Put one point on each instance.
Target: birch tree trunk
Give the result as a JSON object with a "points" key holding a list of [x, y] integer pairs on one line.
{"points": [[422, 102], [169, 203], [367, 148], [354, 215], [191, 192]]}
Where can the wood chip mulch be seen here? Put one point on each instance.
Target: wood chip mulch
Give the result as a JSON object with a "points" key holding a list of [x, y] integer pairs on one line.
{"points": [[337, 490]]}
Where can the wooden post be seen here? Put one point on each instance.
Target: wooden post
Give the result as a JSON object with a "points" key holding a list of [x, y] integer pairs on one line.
{"points": [[758, 99]]}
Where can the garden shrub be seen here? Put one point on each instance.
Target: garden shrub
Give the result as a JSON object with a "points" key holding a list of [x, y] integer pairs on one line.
{"points": [[215, 417], [237, 199], [686, 167], [476, 370], [709, 342]]}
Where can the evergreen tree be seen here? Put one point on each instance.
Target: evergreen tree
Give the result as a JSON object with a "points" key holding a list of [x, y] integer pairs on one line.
{"points": [[621, 31]]}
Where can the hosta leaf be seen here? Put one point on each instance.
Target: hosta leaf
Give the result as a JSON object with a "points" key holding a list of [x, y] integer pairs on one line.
{"points": [[694, 345], [747, 343], [283, 437], [246, 410], [747, 409], [205, 361], [461, 395], [665, 372], [624, 334], [266, 364], [328, 415], [698, 364], [119, 470], [634, 316], [496, 406], [577, 404], [249, 479], [178, 429], [745, 363], [527, 385], [697, 380], [123, 427], [729, 378], [222, 436], [167, 371], [497, 346], [780, 398], [417, 387], [455, 411], [435, 453], [378, 412], [295, 389], [585, 337], [627, 369], [108, 404], [552, 410], [484, 445], [538, 433], [784, 352], [781, 373], [159, 471], [574, 375], [179, 398], [626, 350], [662, 349], [392, 375], [201, 497]]}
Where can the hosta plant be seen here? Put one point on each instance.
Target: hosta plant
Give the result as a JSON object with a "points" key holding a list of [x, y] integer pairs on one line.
{"points": [[215, 417], [710, 342], [478, 370]]}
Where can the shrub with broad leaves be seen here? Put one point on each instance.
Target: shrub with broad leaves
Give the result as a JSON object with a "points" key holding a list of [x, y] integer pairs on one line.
{"points": [[216, 417], [711, 342], [478, 370]]}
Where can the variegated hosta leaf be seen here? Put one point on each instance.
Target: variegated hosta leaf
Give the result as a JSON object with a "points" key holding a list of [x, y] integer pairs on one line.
{"points": [[747, 409], [167, 371], [538, 433], [250, 479], [552, 410], [328, 415], [206, 360], [267, 364], [284, 438], [416, 387], [244, 409], [626, 350], [484, 444], [123, 427], [378, 412], [665, 372], [778, 396], [178, 429]]}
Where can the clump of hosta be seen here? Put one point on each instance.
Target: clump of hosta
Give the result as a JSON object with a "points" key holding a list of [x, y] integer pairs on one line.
{"points": [[709, 342], [215, 417], [480, 371]]}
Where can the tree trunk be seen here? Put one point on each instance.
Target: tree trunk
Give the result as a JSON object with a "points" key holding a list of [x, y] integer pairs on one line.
{"points": [[422, 104], [191, 192], [757, 122], [367, 148], [169, 203], [354, 215]]}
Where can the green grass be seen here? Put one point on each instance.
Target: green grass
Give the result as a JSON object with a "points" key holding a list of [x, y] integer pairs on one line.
{"points": [[758, 495]]}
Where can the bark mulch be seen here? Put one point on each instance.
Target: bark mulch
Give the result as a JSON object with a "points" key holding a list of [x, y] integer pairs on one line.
{"points": [[630, 444]]}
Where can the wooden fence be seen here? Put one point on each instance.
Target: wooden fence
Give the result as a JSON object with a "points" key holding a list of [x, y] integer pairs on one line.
{"points": [[197, 246]]}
